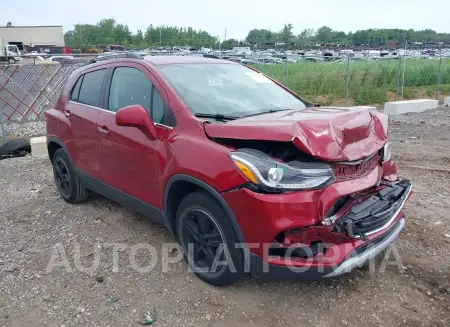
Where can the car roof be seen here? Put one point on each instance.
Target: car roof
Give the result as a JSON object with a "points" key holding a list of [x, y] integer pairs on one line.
{"points": [[173, 60]]}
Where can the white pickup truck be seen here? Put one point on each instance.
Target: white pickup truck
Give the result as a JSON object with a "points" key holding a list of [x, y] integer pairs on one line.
{"points": [[9, 53]]}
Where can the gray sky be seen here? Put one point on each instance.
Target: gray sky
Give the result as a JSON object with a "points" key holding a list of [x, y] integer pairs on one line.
{"points": [[237, 16]]}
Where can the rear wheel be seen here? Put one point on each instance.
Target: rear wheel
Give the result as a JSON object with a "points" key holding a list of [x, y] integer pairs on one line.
{"points": [[208, 240], [67, 182]]}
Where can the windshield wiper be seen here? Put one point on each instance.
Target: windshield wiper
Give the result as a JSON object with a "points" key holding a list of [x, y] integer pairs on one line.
{"points": [[267, 112], [216, 116]]}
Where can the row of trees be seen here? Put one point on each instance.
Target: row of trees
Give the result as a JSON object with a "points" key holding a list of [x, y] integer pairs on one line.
{"points": [[108, 31], [326, 35]]}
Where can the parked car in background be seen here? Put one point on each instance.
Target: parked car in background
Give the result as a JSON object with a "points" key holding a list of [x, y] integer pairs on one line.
{"points": [[249, 177], [61, 59]]}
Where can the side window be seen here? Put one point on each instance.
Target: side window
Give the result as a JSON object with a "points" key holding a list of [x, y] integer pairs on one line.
{"points": [[157, 107], [91, 87], [161, 112], [76, 89], [129, 86]]}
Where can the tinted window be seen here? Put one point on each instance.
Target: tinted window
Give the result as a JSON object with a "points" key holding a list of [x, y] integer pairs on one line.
{"points": [[227, 89], [129, 86], [157, 107], [76, 89], [91, 87]]}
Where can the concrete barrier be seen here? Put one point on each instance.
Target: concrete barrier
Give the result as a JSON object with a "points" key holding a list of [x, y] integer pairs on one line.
{"points": [[402, 107], [38, 146], [447, 101]]}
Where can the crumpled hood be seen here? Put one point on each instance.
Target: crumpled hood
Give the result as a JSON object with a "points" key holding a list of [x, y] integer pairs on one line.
{"points": [[328, 133]]}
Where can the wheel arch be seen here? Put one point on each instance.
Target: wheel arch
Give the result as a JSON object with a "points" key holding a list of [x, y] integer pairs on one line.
{"points": [[179, 186], [53, 144]]}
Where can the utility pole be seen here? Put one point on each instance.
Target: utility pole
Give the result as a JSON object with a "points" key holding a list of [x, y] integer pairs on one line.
{"points": [[225, 38], [160, 39]]}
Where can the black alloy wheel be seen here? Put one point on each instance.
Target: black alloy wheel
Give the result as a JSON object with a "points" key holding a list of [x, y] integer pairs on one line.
{"points": [[202, 238], [208, 240], [62, 177], [67, 182]]}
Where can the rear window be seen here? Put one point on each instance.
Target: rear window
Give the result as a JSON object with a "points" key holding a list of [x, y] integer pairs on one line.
{"points": [[227, 89], [91, 87]]}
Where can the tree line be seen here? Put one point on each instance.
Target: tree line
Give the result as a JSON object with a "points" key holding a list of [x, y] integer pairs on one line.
{"points": [[108, 31], [326, 35]]}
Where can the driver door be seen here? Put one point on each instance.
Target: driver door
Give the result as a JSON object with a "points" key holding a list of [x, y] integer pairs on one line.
{"points": [[128, 156]]}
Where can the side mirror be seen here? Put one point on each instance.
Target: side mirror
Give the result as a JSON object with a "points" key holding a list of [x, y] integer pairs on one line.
{"points": [[136, 116]]}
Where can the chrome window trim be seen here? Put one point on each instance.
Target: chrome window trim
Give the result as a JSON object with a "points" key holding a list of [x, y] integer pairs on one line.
{"points": [[113, 113]]}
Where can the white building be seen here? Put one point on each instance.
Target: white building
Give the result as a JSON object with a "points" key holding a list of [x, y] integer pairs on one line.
{"points": [[32, 36]]}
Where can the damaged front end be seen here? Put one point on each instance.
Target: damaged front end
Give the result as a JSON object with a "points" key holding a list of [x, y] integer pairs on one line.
{"points": [[363, 227], [329, 134], [319, 191], [370, 214]]}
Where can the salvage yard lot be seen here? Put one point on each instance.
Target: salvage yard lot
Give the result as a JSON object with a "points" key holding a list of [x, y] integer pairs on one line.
{"points": [[33, 219]]}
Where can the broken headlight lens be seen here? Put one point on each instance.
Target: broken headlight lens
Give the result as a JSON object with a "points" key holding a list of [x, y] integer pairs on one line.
{"points": [[385, 153], [271, 174]]}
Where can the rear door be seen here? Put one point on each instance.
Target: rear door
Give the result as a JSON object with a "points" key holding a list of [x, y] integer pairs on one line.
{"points": [[83, 111]]}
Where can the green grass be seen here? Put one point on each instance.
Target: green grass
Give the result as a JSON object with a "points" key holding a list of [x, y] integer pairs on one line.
{"points": [[371, 82]]}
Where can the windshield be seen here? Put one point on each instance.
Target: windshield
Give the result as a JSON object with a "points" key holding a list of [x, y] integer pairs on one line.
{"points": [[13, 49], [227, 89]]}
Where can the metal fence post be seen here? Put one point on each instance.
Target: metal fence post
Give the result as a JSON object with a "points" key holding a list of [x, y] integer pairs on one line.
{"points": [[398, 76], [4, 133], [287, 71], [347, 86], [439, 76], [403, 77]]}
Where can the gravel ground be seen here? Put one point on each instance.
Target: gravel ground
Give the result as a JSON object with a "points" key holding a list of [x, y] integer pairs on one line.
{"points": [[33, 220], [26, 130]]}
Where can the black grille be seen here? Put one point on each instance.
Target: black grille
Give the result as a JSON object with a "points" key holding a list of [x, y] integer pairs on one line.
{"points": [[375, 211]]}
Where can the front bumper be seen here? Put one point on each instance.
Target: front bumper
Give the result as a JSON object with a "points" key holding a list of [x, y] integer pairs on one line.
{"points": [[377, 212], [371, 251], [344, 251], [355, 259]]}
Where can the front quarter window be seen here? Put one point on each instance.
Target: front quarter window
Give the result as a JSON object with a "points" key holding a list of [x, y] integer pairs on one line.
{"points": [[227, 89]]}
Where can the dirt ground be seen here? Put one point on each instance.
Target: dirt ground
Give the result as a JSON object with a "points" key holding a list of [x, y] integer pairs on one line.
{"points": [[33, 219]]}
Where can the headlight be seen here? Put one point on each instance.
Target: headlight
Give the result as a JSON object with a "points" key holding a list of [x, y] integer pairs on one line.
{"points": [[272, 175], [385, 153]]}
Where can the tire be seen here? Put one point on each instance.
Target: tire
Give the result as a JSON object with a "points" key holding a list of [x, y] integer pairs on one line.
{"points": [[15, 148], [216, 229], [69, 186], [11, 61]]}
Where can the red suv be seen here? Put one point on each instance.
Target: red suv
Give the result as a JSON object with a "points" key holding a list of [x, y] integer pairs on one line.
{"points": [[250, 177]]}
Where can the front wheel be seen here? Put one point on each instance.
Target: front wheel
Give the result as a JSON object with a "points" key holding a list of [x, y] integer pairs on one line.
{"points": [[208, 240], [11, 61]]}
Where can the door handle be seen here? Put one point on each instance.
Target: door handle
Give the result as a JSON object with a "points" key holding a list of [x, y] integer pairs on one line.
{"points": [[67, 113], [103, 130]]}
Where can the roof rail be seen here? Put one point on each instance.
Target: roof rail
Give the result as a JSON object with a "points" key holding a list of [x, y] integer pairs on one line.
{"points": [[114, 56]]}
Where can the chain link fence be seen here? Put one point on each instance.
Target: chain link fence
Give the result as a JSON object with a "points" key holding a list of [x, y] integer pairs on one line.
{"points": [[347, 82], [3, 130], [28, 89]]}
